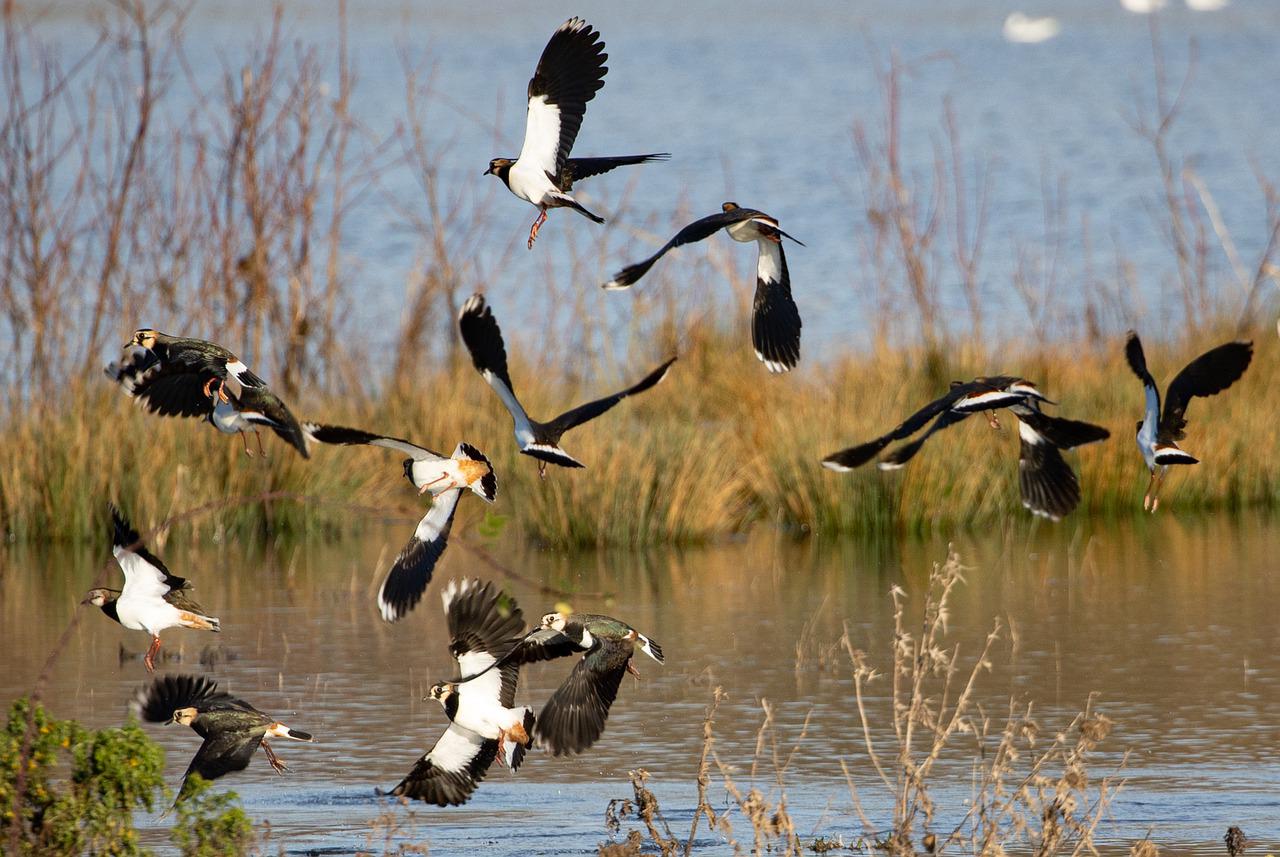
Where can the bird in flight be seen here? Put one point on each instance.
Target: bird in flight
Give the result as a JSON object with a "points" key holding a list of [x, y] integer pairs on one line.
{"points": [[569, 73], [775, 320], [1159, 431]]}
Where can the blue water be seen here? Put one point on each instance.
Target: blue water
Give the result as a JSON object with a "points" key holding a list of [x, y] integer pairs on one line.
{"points": [[757, 102]]}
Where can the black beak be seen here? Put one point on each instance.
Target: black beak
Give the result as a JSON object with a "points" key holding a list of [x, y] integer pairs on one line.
{"points": [[488, 172]]}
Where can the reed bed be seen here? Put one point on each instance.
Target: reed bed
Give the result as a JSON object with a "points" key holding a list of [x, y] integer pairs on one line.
{"points": [[716, 448], [224, 212]]}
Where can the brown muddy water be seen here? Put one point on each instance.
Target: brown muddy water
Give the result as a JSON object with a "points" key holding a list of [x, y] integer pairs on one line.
{"points": [[1171, 621]]}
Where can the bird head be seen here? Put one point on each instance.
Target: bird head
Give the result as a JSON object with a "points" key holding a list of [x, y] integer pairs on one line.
{"points": [[144, 337], [97, 597], [408, 469], [185, 716], [729, 206], [554, 621], [441, 691], [499, 167]]}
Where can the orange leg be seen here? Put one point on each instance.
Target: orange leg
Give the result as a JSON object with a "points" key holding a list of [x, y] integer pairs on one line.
{"points": [[280, 766], [425, 488], [257, 434], [537, 224], [150, 658], [542, 470], [992, 420], [245, 441]]}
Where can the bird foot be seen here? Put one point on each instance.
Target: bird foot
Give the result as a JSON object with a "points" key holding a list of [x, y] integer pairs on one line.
{"points": [[150, 657], [542, 470], [258, 436], [281, 767], [245, 441], [631, 668], [993, 420], [502, 749], [533, 231], [208, 388]]}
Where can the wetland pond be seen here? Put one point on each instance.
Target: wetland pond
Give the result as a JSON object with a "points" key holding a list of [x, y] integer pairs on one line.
{"points": [[1169, 621]]}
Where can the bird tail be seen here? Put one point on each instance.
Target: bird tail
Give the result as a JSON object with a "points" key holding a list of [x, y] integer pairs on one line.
{"points": [[200, 623], [279, 730], [651, 648], [569, 202], [1171, 453], [519, 746], [486, 485]]}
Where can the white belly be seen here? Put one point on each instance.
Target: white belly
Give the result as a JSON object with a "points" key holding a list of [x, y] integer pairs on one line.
{"points": [[440, 475], [227, 419], [529, 182], [146, 615]]}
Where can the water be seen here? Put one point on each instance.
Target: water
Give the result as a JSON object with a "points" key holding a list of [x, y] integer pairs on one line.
{"points": [[1169, 621], [757, 102]]}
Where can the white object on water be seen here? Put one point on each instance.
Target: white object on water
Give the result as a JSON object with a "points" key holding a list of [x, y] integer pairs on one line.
{"points": [[1023, 29], [1207, 5], [1143, 7]]}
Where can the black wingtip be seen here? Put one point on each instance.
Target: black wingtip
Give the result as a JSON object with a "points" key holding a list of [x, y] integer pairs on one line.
{"points": [[853, 457], [123, 535]]}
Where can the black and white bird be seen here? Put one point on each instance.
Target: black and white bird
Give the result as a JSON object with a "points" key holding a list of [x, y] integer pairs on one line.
{"points": [[1159, 432], [153, 598], [232, 729], [485, 724], [568, 75], [574, 717], [183, 377], [1048, 486], [540, 440], [775, 320], [445, 478]]}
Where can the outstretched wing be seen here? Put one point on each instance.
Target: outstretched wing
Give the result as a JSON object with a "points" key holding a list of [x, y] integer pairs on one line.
{"points": [[856, 456], [167, 389], [775, 319], [591, 410], [1207, 375], [412, 570], [449, 772], [899, 457], [1137, 361], [696, 231], [156, 702], [582, 168], [570, 72], [573, 719], [344, 436], [221, 753], [483, 338]]}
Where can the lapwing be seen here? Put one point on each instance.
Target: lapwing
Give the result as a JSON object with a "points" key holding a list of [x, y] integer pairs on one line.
{"points": [[1047, 484], [179, 376], [232, 729], [574, 718], [484, 722], [568, 75], [775, 320], [1159, 432], [483, 338], [153, 598]]}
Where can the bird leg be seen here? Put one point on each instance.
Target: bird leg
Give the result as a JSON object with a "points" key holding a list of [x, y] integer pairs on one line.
{"points": [[150, 657], [542, 470], [502, 756], [1155, 491], [257, 434], [993, 420], [208, 387], [1151, 490], [280, 766], [245, 441], [427, 487], [631, 668], [537, 224]]}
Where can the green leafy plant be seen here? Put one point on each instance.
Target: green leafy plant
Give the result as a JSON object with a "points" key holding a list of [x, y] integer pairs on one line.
{"points": [[211, 824]]}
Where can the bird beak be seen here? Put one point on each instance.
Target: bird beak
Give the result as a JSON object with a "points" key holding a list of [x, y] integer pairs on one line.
{"points": [[488, 172]]}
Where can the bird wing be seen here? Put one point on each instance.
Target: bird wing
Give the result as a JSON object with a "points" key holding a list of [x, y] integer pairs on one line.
{"points": [[582, 168], [591, 410], [696, 231], [483, 339], [167, 389], [1207, 375], [411, 572], [485, 624], [856, 456], [899, 457], [1061, 432], [569, 73], [1048, 484], [144, 573], [1138, 363], [156, 702], [573, 719], [775, 320], [450, 771], [221, 753], [343, 436]]}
